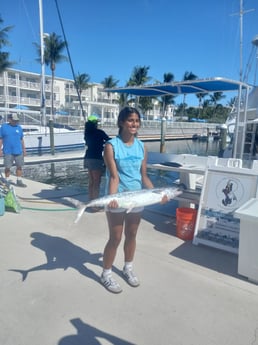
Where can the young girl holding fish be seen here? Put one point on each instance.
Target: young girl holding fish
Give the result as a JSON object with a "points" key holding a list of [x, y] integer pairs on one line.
{"points": [[125, 158]]}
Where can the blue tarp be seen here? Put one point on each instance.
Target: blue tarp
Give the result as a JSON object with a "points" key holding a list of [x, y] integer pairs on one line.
{"points": [[217, 84], [193, 119], [21, 107]]}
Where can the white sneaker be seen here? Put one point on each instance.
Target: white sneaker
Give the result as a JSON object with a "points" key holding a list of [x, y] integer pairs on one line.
{"points": [[131, 278], [110, 284]]}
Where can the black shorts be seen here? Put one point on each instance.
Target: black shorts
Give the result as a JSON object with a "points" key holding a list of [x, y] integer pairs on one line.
{"points": [[94, 164]]}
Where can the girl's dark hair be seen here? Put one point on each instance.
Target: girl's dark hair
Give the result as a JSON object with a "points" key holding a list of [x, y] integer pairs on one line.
{"points": [[124, 114]]}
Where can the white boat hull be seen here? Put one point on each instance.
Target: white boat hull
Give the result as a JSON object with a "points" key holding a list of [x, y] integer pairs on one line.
{"points": [[39, 143]]}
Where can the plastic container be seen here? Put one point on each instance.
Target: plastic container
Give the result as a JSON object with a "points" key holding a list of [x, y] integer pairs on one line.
{"points": [[248, 240], [185, 222], [2, 206]]}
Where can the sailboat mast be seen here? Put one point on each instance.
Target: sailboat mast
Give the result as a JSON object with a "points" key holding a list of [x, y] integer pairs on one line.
{"points": [[240, 91], [42, 61], [241, 14], [241, 42]]}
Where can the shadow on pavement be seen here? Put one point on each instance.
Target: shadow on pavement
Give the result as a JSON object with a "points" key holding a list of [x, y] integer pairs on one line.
{"points": [[62, 254], [208, 257], [161, 221], [87, 334]]}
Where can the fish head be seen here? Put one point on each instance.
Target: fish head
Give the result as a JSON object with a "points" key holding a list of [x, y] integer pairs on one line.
{"points": [[172, 192]]}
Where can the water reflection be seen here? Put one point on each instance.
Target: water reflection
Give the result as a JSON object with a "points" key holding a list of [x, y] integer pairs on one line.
{"points": [[209, 148], [72, 173]]}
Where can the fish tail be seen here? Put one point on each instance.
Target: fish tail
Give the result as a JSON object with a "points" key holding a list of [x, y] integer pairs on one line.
{"points": [[80, 213], [81, 207]]}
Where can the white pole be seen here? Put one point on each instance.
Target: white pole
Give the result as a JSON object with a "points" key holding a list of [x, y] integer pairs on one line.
{"points": [[42, 61], [241, 41]]}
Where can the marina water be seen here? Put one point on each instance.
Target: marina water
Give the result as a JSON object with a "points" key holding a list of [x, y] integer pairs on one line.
{"points": [[72, 173]]}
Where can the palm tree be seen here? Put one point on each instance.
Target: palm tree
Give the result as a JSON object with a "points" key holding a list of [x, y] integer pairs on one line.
{"points": [[81, 82], [167, 99], [215, 97], [145, 104], [4, 62], [108, 83], [53, 47], [139, 77], [188, 76], [200, 97], [123, 100], [232, 102], [4, 56]]}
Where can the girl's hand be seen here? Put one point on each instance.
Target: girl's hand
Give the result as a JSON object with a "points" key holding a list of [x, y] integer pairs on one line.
{"points": [[164, 199], [113, 204]]}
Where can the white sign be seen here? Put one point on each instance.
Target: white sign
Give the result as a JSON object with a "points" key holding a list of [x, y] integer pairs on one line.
{"points": [[224, 191]]}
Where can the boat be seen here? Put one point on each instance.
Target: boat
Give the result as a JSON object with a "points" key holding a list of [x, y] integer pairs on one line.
{"points": [[41, 137], [200, 137], [37, 139], [205, 136], [249, 111]]}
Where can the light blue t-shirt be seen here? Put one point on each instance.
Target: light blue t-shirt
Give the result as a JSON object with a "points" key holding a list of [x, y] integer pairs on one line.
{"points": [[128, 162]]}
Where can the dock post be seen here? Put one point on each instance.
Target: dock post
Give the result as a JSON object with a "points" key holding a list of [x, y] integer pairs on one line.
{"points": [[223, 138], [51, 133], [40, 146], [163, 134]]}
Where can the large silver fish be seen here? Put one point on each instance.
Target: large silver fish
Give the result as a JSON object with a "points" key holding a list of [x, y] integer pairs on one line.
{"points": [[129, 200]]}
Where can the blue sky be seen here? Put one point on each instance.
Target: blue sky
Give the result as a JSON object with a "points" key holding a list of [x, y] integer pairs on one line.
{"points": [[112, 37]]}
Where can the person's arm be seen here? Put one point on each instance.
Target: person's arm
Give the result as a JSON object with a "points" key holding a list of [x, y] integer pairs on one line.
{"points": [[145, 179], [107, 137], [23, 147], [111, 166], [1, 144]]}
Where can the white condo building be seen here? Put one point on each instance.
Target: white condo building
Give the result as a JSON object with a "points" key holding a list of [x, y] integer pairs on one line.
{"points": [[22, 90]]}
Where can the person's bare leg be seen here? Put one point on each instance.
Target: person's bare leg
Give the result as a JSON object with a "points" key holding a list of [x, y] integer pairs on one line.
{"points": [[90, 184], [19, 175], [19, 172], [7, 173], [132, 222], [115, 224], [96, 180]]}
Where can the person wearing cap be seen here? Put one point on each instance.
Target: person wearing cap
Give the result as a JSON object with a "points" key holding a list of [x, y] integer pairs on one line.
{"points": [[93, 160], [12, 147]]}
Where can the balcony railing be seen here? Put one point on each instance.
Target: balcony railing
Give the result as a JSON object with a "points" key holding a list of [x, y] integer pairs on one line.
{"points": [[28, 85], [27, 101]]}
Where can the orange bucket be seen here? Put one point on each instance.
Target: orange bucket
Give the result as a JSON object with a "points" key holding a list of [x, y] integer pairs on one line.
{"points": [[185, 222]]}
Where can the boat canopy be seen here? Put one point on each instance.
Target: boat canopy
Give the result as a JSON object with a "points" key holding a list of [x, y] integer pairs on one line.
{"points": [[216, 84]]}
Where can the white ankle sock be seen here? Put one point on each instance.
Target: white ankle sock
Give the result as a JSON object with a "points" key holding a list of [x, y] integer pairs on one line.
{"points": [[128, 265], [107, 272]]}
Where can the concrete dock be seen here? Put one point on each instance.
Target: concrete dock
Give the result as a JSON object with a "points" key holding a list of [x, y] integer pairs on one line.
{"points": [[51, 294]]}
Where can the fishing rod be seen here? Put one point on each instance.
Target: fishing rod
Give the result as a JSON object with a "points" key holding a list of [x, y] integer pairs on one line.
{"points": [[70, 59]]}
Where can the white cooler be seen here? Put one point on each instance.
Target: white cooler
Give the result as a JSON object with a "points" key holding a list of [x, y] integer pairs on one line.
{"points": [[248, 239]]}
